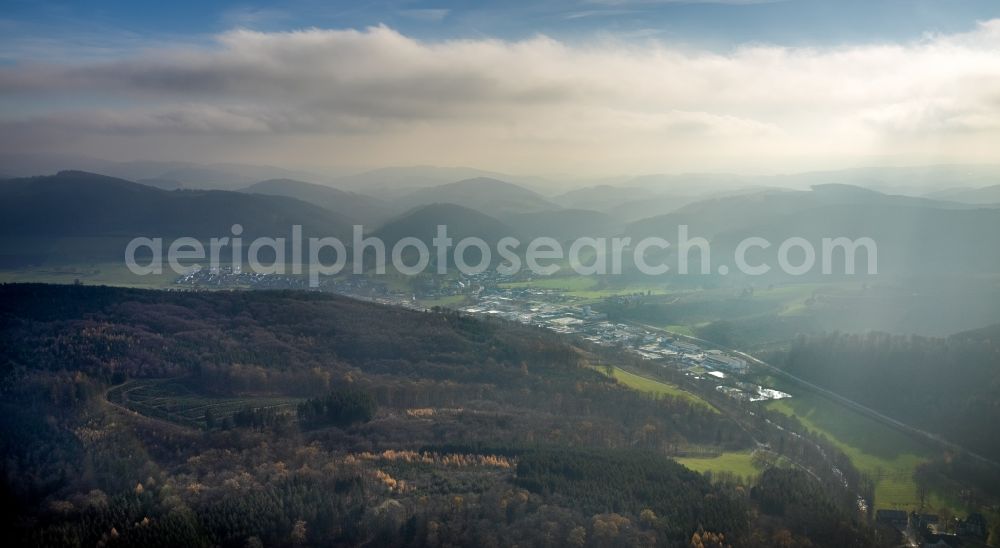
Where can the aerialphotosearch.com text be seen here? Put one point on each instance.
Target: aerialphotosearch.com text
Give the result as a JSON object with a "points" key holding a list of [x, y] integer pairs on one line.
{"points": [[542, 256]]}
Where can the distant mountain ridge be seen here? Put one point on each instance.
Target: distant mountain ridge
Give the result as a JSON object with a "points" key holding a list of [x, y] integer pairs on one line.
{"points": [[565, 224], [87, 204], [163, 174], [914, 236], [349, 206], [462, 222], [601, 197], [715, 215], [484, 194], [393, 182], [989, 195], [422, 222]]}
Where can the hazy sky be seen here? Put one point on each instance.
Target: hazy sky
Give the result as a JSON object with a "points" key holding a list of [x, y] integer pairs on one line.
{"points": [[589, 88]]}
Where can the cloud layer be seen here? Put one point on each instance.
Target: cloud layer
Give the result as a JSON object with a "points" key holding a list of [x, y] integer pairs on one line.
{"points": [[379, 97]]}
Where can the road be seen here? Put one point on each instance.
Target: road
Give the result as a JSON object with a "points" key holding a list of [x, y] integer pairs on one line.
{"points": [[133, 413]]}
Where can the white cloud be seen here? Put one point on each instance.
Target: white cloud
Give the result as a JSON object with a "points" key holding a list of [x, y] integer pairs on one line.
{"points": [[382, 97]]}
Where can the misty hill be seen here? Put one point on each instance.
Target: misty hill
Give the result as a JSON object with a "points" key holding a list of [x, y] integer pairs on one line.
{"points": [[396, 181], [910, 180], [712, 216], [649, 196], [203, 178], [565, 224], [601, 197], [349, 206], [484, 194], [989, 334], [170, 175], [74, 204], [911, 240], [165, 184], [983, 196], [644, 208], [462, 222], [914, 236], [691, 183], [226, 176]]}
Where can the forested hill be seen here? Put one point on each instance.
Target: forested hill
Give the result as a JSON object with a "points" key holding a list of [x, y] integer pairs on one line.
{"points": [[132, 417], [943, 385], [78, 204]]}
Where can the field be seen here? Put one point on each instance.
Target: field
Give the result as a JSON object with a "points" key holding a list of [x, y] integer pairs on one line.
{"points": [[116, 274], [738, 463], [590, 288], [650, 386], [447, 301], [171, 400], [680, 329], [887, 454]]}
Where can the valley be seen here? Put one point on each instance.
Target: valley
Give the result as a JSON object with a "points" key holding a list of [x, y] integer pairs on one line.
{"points": [[570, 273], [529, 372]]}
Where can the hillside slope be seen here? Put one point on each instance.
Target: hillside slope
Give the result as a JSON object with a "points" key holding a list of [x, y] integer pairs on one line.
{"points": [[490, 196], [348, 206], [122, 414], [75, 203]]}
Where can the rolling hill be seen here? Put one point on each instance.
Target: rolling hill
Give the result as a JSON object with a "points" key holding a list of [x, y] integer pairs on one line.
{"points": [[983, 196], [601, 197], [393, 182], [565, 224], [911, 240], [349, 206], [914, 236], [643, 208], [462, 222], [106, 211], [484, 194], [732, 212], [204, 384], [164, 174]]}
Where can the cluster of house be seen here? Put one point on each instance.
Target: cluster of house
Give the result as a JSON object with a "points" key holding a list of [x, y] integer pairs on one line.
{"points": [[552, 310], [227, 276], [429, 287], [930, 530]]}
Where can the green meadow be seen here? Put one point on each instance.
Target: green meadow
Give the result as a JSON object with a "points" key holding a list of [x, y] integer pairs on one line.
{"points": [[889, 455], [590, 288], [737, 463], [116, 274], [654, 387]]}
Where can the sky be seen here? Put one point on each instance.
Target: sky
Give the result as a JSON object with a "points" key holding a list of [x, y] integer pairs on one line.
{"points": [[577, 88]]}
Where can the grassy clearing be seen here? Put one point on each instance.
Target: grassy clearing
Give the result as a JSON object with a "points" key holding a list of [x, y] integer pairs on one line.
{"points": [[87, 273], [171, 400], [888, 454], [566, 283], [654, 387], [737, 463], [681, 330], [589, 288], [447, 301]]}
